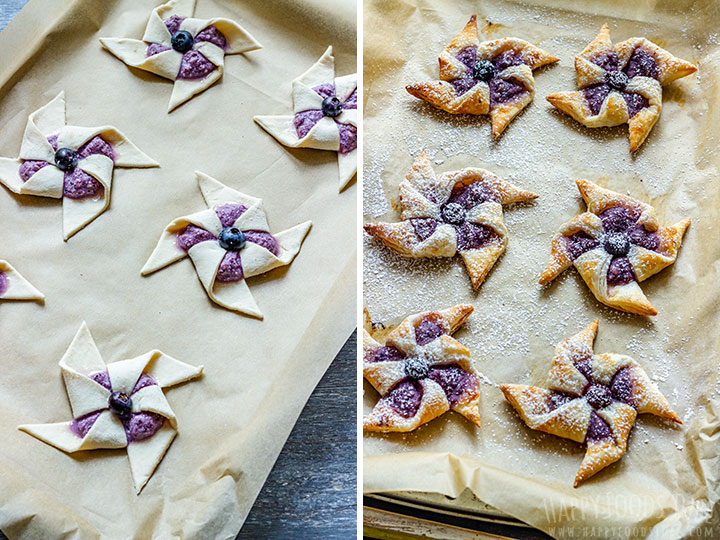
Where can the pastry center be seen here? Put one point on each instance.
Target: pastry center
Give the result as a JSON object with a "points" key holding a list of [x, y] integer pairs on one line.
{"points": [[332, 106], [483, 70], [617, 80], [66, 159], [231, 239], [416, 368], [120, 404], [598, 396], [182, 41], [617, 243], [453, 213]]}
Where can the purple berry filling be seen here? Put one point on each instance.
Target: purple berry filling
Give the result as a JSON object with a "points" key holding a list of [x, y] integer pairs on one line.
{"points": [[405, 398], [507, 59], [143, 381], [598, 430], [387, 353], [194, 65], [304, 121], [263, 239], [80, 185], [472, 236], [641, 64], [504, 91], [584, 366], [424, 227], [635, 103], [559, 399], [468, 56], [142, 425], [454, 381], [640, 236], [192, 235], [351, 102], [608, 61], [618, 219], [427, 331], [4, 283], [212, 35], [173, 23], [471, 196], [102, 378], [155, 48], [96, 145], [325, 90], [580, 243], [348, 138], [621, 386], [80, 426], [29, 168], [230, 268], [229, 213], [620, 272]]}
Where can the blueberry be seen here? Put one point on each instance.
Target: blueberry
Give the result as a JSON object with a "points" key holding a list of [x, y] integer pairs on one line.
{"points": [[182, 41], [66, 159], [232, 239], [598, 396], [331, 106], [416, 368], [617, 80], [617, 244], [453, 213], [483, 70], [120, 404]]}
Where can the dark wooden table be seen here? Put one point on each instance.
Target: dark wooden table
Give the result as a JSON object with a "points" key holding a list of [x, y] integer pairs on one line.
{"points": [[310, 492]]}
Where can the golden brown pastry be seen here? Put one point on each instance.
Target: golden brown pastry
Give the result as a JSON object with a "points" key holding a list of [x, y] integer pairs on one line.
{"points": [[421, 372], [615, 245], [591, 399], [454, 212], [621, 83], [493, 77]]}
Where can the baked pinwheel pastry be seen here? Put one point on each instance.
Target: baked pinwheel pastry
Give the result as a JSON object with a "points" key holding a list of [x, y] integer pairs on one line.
{"points": [[591, 398], [15, 287], [189, 51], [493, 77], [228, 243], [615, 245], [324, 115], [117, 405], [454, 212], [71, 163], [421, 372], [620, 84]]}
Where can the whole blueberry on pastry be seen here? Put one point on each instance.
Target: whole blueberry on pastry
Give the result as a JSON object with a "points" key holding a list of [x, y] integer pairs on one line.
{"points": [[493, 77], [421, 372], [591, 399], [117, 405], [450, 213], [620, 84], [71, 163], [615, 245], [177, 46]]}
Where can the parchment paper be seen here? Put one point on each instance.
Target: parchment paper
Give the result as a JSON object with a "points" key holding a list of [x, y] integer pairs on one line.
{"points": [[666, 486], [234, 420]]}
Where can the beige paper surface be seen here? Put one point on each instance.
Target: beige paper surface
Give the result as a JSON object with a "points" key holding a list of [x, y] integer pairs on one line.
{"points": [[667, 484], [233, 421]]}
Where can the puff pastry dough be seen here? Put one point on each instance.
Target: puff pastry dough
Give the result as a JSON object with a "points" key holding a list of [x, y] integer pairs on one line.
{"points": [[421, 372], [15, 287], [454, 212], [46, 134], [493, 77], [620, 84], [615, 245], [310, 126], [143, 379], [223, 271], [591, 398], [192, 70]]}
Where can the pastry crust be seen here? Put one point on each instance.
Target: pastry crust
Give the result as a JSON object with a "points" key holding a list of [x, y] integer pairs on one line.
{"points": [[14, 286], [325, 134], [167, 63], [614, 110], [594, 264], [426, 196], [207, 256], [477, 100], [442, 351], [48, 181], [88, 396], [591, 398]]}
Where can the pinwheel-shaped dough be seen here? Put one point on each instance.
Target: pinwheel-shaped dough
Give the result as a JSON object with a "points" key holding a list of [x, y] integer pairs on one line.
{"points": [[118, 405], [325, 115], [455, 212], [227, 243], [189, 51], [592, 399], [15, 287], [615, 245], [621, 83], [69, 162], [492, 77], [421, 372]]}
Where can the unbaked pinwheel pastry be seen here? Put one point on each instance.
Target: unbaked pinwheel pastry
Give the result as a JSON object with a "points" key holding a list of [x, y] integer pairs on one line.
{"points": [[493, 77], [324, 115], [421, 372], [615, 245], [454, 212], [118, 405], [191, 52], [621, 83], [15, 287], [228, 243], [591, 399], [71, 163]]}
